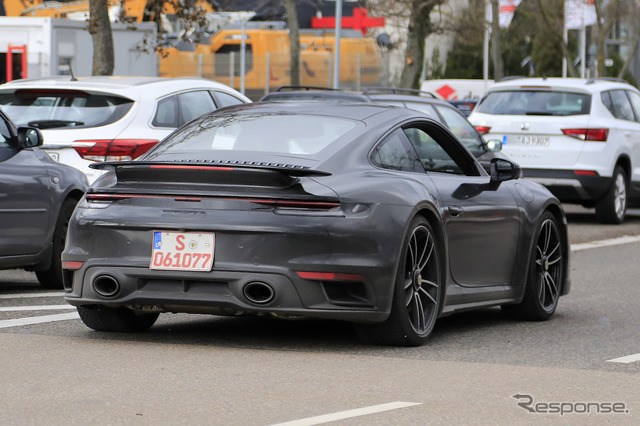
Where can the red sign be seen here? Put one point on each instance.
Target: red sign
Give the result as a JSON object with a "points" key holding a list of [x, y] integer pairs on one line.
{"points": [[359, 21], [446, 91]]}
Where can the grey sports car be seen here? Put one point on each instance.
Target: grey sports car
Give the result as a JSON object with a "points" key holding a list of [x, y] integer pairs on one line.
{"points": [[365, 213], [37, 197]]}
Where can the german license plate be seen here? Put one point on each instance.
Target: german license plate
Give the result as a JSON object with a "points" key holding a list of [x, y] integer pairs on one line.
{"points": [[539, 141], [182, 251]]}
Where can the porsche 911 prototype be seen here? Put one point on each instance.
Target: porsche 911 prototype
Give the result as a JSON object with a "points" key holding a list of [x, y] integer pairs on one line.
{"points": [[370, 214]]}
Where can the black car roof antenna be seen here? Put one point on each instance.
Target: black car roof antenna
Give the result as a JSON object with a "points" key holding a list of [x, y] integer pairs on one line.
{"points": [[73, 77]]}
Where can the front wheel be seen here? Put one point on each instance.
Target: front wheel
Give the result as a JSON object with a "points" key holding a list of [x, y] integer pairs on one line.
{"points": [[612, 207], [417, 292], [545, 277], [121, 320]]}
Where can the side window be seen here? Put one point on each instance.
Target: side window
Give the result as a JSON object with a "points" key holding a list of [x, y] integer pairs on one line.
{"points": [[166, 112], [195, 104], [635, 101], [621, 105], [606, 100], [432, 156], [462, 129], [396, 153], [225, 99]]}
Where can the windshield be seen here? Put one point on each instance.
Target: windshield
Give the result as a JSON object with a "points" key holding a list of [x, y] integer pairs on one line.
{"points": [[535, 102], [47, 109], [260, 132]]}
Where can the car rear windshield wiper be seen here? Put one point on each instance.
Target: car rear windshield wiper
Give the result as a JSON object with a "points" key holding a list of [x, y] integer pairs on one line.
{"points": [[51, 124]]}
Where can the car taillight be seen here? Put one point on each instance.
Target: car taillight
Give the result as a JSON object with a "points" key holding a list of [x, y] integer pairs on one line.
{"points": [[113, 150], [597, 135], [74, 266], [483, 130]]}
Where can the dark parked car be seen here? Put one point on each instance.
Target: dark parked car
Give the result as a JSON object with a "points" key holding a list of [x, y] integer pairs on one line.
{"points": [[38, 197], [358, 212], [425, 102]]}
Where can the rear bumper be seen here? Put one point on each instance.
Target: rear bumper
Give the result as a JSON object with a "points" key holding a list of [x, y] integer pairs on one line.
{"points": [[568, 186], [224, 292]]}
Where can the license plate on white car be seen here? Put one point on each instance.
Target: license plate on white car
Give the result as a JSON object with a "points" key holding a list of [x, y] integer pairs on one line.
{"points": [[538, 141], [54, 155], [182, 251]]}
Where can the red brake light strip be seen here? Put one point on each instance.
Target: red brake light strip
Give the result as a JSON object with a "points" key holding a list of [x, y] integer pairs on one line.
{"points": [[273, 202]]}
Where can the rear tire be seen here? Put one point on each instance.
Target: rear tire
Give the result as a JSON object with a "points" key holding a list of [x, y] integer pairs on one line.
{"points": [[52, 277], [612, 207], [121, 320], [545, 276], [417, 292]]}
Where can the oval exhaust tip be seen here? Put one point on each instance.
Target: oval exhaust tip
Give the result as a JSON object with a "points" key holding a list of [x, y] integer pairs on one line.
{"points": [[106, 285], [258, 292]]}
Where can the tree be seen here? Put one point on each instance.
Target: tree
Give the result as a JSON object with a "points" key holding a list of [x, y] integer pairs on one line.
{"points": [[188, 13], [496, 45], [102, 37], [420, 26], [606, 14], [294, 40], [630, 9]]}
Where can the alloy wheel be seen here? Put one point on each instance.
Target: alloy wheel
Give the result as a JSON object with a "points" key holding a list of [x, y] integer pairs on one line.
{"points": [[421, 289], [548, 265], [620, 195]]}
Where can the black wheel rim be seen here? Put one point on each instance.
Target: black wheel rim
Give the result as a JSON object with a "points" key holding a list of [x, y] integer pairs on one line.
{"points": [[421, 288], [548, 265]]}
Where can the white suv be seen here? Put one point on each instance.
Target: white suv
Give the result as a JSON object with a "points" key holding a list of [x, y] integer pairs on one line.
{"points": [[89, 119], [580, 138]]}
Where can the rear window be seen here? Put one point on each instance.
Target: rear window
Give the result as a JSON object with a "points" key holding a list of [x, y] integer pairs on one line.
{"points": [[49, 109], [535, 102], [293, 134]]}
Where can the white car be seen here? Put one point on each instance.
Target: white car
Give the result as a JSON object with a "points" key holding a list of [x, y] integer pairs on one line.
{"points": [[578, 137], [89, 119]]}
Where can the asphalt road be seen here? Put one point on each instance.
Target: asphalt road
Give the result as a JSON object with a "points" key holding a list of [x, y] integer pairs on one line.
{"points": [[478, 367]]}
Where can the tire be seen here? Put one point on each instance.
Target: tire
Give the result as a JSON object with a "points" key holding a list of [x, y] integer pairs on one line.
{"points": [[545, 276], [417, 292], [52, 277], [120, 320], [612, 207]]}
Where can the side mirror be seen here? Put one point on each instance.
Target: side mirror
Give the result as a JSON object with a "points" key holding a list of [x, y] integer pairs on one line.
{"points": [[503, 170], [29, 137], [494, 145]]}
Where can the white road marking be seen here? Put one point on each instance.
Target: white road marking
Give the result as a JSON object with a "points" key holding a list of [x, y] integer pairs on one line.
{"points": [[626, 359], [32, 295], [605, 243], [35, 308], [349, 414], [37, 320]]}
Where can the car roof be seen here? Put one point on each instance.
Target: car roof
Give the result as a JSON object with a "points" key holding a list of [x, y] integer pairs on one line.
{"points": [[351, 110], [593, 85], [313, 93], [369, 94], [116, 84]]}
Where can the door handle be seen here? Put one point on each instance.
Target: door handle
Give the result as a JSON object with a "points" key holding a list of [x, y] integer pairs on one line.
{"points": [[455, 210]]}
